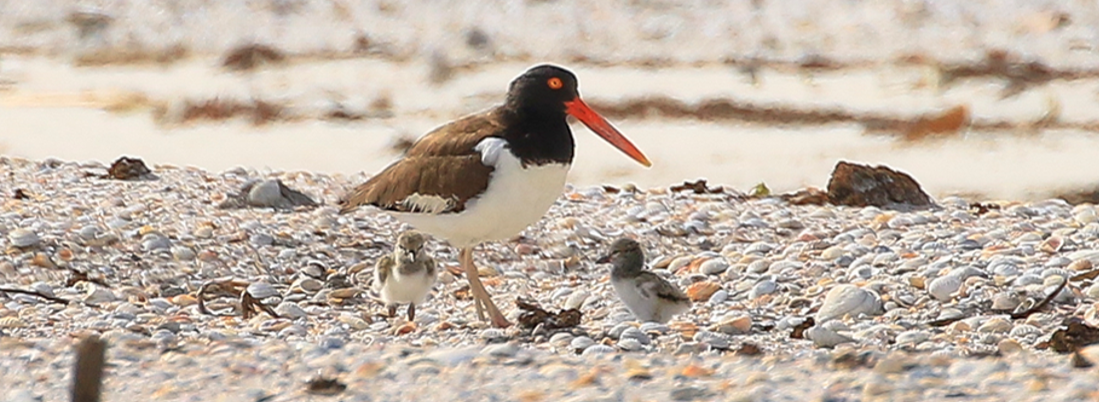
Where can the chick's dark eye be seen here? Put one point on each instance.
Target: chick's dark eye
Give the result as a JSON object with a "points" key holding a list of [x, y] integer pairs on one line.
{"points": [[555, 83]]}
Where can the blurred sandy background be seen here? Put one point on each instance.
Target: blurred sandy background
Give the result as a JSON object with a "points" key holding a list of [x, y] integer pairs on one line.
{"points": [[998, 98]]}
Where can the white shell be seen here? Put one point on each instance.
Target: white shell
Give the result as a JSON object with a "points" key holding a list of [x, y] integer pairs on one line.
{"points": [[23, 238], [848, 299], [262, 290], [826, 338], [943, 287]]}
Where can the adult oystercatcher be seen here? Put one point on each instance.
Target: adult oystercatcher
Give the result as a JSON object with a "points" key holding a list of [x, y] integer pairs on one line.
{"points": [[487, 176]]}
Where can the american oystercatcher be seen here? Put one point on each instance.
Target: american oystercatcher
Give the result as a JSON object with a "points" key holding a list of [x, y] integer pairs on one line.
{"points": [[487, 176], [648, 296], [406, 275]]}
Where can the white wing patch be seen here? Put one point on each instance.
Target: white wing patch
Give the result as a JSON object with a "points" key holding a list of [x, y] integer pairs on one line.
{"points": [[431, 204], [490, 149]]}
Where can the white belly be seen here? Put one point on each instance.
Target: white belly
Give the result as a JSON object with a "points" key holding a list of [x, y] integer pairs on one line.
{"points": [[647, 308], [516, 197], [642, 307], [407, 289]]}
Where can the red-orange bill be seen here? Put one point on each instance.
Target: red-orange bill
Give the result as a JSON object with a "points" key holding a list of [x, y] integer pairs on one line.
{"points": [[578, 109]]}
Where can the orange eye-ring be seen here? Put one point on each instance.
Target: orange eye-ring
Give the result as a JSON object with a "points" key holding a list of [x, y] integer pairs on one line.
{"points": [[555, 83]]}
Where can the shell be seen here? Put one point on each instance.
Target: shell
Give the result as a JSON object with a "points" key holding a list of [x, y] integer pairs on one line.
{"points": [[826, 338], [943, 287], [701, 291], [849, 300], [262, 290], [24, 238]]}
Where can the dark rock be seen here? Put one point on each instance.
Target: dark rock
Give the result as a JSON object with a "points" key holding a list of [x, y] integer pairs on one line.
{"points": [[860, 185], [250, 56], [126, 168], [269, 193]]}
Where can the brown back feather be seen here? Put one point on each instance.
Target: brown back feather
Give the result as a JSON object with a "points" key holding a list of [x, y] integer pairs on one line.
{"points": [[443, 163]]}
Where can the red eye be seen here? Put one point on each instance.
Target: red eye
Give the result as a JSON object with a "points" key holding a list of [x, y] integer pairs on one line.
{"points": [[555, 83]]}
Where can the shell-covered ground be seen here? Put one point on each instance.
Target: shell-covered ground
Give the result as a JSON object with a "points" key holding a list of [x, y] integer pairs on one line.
{"points": [[924, 304]]}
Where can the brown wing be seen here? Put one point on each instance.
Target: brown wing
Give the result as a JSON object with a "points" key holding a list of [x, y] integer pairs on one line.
{"points": [[438, 174], [653, 284], [458, 137], [381, 271]]}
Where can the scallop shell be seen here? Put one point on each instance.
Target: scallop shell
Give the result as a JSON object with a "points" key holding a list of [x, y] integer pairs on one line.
{"points": [[943, 287], [1052, 244], [11, 322], [1080, 265], [701, 291], [1006, 301], [1024, 330], [995, 326]]}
